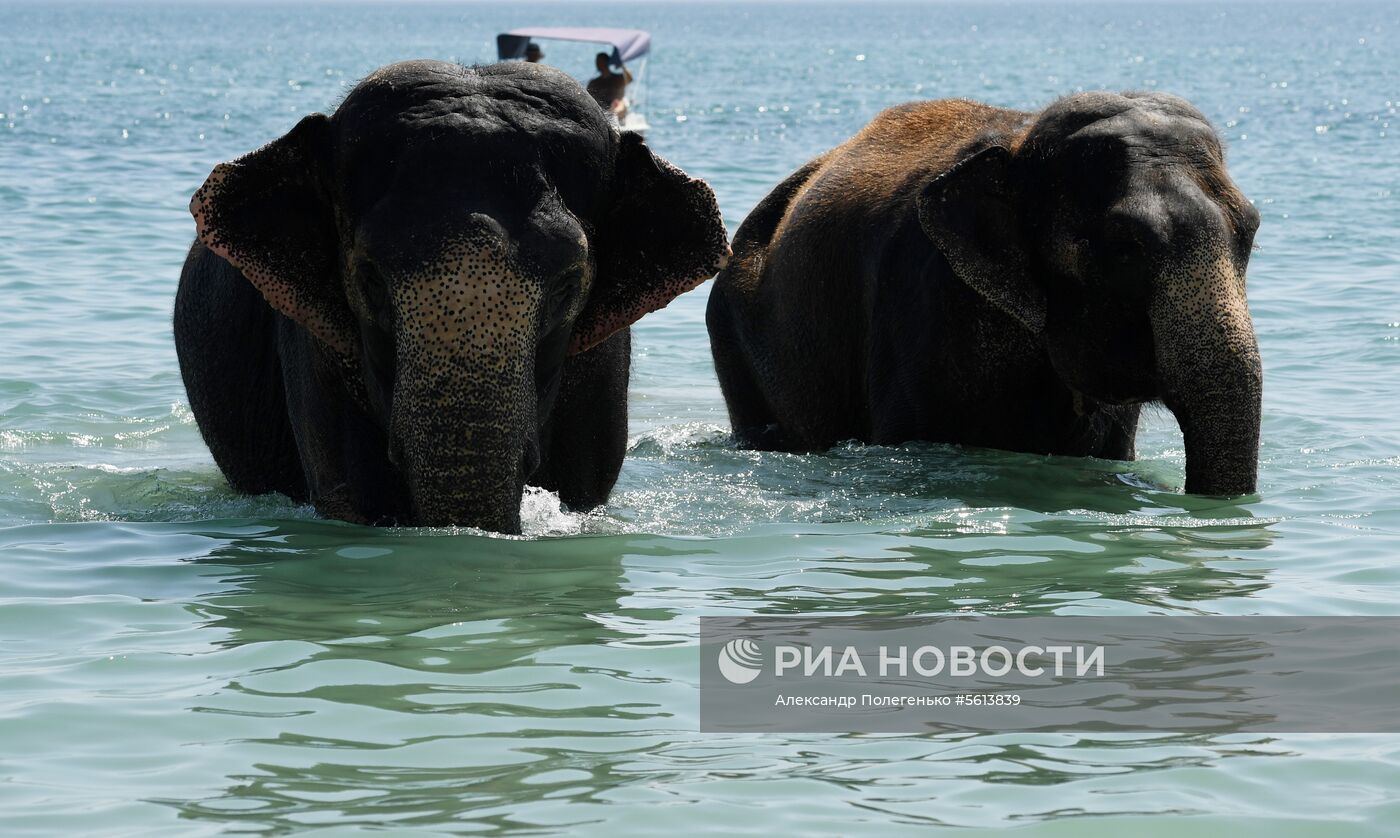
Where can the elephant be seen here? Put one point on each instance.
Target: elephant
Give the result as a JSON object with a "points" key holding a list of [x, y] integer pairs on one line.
{"points": [[404, 311], [965, 274]]}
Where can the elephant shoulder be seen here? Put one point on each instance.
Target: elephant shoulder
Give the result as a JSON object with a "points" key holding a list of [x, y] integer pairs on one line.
{"points": [[877, 172]]}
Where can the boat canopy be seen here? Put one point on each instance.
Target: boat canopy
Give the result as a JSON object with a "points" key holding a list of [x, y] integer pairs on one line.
{"points": [[627, 44]]}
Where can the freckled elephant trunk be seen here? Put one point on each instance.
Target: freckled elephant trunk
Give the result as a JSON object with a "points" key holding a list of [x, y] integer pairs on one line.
{"points": [[463, 434], [1208, 365]]}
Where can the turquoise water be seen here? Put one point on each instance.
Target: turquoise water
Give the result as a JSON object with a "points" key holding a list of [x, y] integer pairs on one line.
{"points": [[177, 659]]}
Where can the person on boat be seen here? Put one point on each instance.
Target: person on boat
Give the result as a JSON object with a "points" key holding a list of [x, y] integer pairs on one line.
{"points": [[533, 53], [609, 88]]}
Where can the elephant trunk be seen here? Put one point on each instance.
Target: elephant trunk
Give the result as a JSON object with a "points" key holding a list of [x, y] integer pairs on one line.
{"points": [[463, 419], [1212, 381], [465, 442]]}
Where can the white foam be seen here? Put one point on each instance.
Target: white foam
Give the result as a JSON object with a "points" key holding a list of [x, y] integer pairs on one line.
{"points": [[542, 513]]}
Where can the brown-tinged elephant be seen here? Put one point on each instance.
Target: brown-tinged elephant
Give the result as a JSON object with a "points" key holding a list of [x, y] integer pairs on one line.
{"points": [[408, 309], [966, 274]]}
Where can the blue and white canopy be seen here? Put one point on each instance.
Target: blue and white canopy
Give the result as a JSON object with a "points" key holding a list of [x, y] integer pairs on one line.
{"points": [[627, 44]]}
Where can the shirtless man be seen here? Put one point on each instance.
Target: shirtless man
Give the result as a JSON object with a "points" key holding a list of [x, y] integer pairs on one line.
{"points": [[609, 88]]}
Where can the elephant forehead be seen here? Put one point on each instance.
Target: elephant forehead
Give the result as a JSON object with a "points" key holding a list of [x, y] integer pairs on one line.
{"points": [[520, 114], [426, 178], [521, 102], [1120, 113], [1144, 136]]}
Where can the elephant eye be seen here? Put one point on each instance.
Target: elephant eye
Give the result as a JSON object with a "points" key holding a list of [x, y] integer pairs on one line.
{"points": [[567, 287], [1124, 245], [374, 289], [1083, 257]]}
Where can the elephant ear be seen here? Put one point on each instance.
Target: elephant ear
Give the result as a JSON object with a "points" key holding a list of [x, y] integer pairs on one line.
{"points": [[267, 214], [970, 213], [661, 237]]}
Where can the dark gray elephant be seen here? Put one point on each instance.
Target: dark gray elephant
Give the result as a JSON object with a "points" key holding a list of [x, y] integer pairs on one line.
{"points": [[406, 310], [966, 274]]}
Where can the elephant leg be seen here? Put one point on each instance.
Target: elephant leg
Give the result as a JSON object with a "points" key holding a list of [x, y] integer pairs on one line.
{"points": [[226, 341], [583, 441], [749, 413]]}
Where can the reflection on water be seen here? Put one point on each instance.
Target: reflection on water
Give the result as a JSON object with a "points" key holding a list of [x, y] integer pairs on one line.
{"points": [[419, 676]]}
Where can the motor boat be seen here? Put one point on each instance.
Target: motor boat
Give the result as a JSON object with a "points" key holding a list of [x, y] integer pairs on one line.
{"points": [[630, 48]]}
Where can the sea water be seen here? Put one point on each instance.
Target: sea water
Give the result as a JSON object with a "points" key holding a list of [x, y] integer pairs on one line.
{"points": [[178, 659]]}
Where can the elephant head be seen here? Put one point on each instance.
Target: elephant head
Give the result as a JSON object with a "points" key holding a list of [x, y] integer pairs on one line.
{"points": [[1108, 227], [448, 236]]}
